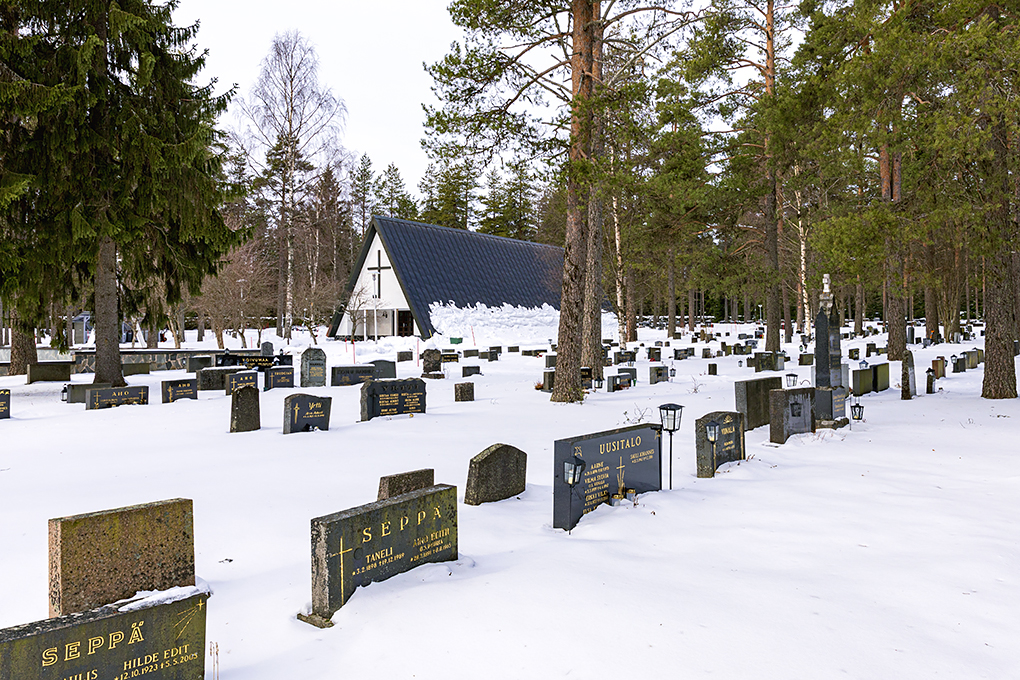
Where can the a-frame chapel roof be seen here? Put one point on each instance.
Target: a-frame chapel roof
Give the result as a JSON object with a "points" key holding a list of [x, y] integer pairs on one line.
{"points": [[440, 264]]}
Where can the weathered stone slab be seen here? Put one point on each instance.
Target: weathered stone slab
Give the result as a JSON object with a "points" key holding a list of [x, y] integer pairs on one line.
{"points": [[161, 642], [752, 399], [351, 375], [215, 378], [792, 412], [50, 371], [464, 391], [384, 369], [172, 390], [244, 409], [101, 557], [514, 349], [729, 447], [267, 349], [376, 541], [908, 384], [74, 393], [108, 397], [861, 381], [431, 361], [972, 359], [497, 473], [392, 397], [470, 353], [468, 371], [197, 363], [548, 379], [278, 376], [137, 368], [616, 461], [305, 413], [550, 361], [405, 356], [241, 379], [5, 404], [313, 368], [880, 377], [405, 482]]}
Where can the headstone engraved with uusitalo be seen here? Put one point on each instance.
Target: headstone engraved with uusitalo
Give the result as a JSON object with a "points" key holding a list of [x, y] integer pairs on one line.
{"points": [[172, 390], [313, 368], [5, 404], [107, 397], [305, 412], [392, 397], [616, 461], [728, 448], [376, 541]]}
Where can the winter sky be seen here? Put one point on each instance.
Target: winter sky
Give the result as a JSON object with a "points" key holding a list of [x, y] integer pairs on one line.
{"points": [[370, 54]]}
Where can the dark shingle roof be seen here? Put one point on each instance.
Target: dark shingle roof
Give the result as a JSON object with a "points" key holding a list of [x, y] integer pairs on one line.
{"points": [[439, 264]]}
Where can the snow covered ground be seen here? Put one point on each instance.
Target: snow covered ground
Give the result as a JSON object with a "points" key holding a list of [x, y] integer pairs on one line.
{"points": [[888, 551]]}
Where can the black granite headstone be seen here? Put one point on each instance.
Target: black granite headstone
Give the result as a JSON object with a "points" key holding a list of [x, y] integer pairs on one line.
{"points": [[728, 448], [616, 461], [305, 412], [196, 363], [384, 369], [279, 376], [830, 407], [244, 409], [226, 360], [449, 357], [468, 371], [497, 473], [470, 353], [376, 541], [240, 379], [548, 379], [713, 369], [351, 375], [655, 353], [313, 368], [106, 397], [114, 642], [658, 374], [5, 404], [173, 390], [392, 397]]}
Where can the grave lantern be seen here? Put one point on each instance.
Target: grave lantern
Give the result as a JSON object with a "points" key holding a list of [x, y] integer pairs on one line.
{"points": [[857, 410], [930, 386], [670, 415], [598, 382], [740, 363], [672, 372], [953, 358], [791, 379], [863, 364], [712, 432], [572, 470]]}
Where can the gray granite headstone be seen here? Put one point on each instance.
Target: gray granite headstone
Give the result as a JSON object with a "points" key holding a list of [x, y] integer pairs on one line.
{"points": [[215, 377], [313, 368], [830, 407], [405, 482], [244, 409], [550, 361], [431, 361], [792, 412], [267, 349], [470, 353], [464, 391], [861, 381], [908, 384], [729, 447], [497, 473], [548, 380], [405, 356], [752, 399], [632, 372], [713, 369]]}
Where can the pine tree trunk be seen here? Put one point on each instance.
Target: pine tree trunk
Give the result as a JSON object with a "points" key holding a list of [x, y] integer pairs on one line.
{"points": [[931, 314], [152, 339], [670, 294], [107, 316], [788, 330], [23, 350], [690, 310], [591, 350]]}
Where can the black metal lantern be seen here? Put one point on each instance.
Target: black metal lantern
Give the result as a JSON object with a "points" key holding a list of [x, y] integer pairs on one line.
{"points": [[863, 364], [857, 410], [598, 382], [672, 372], [791, 379], [572, 470], [712, 431], [740, 363], [670, 415]]}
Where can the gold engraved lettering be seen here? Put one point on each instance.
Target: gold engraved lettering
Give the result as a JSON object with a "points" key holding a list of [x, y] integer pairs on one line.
{"points": [[116, 637], [94, 644], [403, 522], [136, 633], [385, 528], [366, 534], [71, 651], [421, 516], [435, 513], [49, 657]]}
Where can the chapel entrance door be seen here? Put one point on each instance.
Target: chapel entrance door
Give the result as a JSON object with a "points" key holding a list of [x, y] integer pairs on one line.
{"points": [[405, 323]]}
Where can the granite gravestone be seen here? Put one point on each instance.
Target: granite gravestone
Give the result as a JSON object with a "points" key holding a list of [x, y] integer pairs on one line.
{"points": [[654, 354], [241, 379], [215, 378], [752, 399], [632, 372], [267, 349], [139, 368], [384, 369], [405, 482], [792, 412], [615, 383], [74, 393], [226, 360], [244, 409], [431, 361], [49, 371], [828, 357], [806, 360], [657, 374], [405, 356], [713, 369], [830, 407], [376, 541], [172, 390], [861, 381], [616, 461], [470, 353], [107, 397], [197, 363], [305, 413], [464, 391], [550, 361], [728, 448], [880, 377], [392, 397], [449, 358], [115, 642], [468, 371], [313, 368], [497, 473], [908, 384], [351, 375], [972, 359], [548, 380], [102, 557], [279, 376], [5, 404]]}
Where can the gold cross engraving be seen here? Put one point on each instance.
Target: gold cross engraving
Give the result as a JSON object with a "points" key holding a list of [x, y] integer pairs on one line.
{"points": [[343, 571]]}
